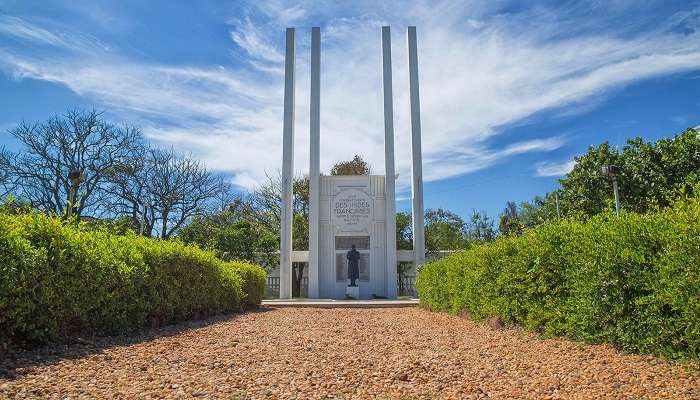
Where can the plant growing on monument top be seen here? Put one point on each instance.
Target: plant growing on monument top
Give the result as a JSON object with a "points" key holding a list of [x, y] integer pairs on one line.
{"points": [[356, 166]]}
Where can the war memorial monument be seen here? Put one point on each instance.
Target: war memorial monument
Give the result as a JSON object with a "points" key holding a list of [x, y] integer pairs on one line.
{"points": [[352, 219]]}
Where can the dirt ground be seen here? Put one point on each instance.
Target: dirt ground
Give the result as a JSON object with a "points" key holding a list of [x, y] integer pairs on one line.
{"points": [[303, 353]]}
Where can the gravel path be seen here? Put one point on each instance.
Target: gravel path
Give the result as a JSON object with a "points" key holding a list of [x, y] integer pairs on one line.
{"points": [[402, 353]]}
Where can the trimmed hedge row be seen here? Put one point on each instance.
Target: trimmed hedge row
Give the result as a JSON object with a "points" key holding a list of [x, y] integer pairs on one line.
{"points": [[632, 281], [59, 280]]}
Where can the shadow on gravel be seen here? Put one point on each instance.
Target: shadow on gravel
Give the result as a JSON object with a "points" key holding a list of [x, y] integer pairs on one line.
{"points": [[17, 362]]}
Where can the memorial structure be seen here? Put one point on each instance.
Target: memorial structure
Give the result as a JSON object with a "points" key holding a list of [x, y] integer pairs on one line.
{"points": [[352, 219]]}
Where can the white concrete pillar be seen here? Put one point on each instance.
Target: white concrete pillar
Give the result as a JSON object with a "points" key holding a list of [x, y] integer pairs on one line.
{"points": [[416, 155], [314, 162], [390, 184], [287, 171]]}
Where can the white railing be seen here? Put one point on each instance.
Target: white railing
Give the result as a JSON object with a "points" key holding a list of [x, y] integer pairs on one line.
{"points": [[401, 255], [405, 283]]}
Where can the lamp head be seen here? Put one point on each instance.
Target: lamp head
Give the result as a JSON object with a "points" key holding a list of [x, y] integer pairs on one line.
{"points": [[610, 171]]}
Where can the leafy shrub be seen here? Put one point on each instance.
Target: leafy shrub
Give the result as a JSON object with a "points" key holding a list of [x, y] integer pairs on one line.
{"points": [[632, 281], [59, 279]]}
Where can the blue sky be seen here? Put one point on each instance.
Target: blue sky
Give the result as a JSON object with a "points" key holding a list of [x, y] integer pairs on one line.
{"points": [[510, 91]]}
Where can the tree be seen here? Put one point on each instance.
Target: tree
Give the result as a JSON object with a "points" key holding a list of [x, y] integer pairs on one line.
{"points": [[117, 226], [655, 173], [584, 190], [480, 228], [232, 235], [266, 205], [356, 166], [79, 141], [404, 231], [538, 211], [509, 222], [6, 185], [163, 190], [404, 241], [177, 189], [444, 230], [126, 188], [514, 219], [652, 175]]}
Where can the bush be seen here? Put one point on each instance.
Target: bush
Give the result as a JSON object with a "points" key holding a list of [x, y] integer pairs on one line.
{"points": [[632, 281], [58, 280]]}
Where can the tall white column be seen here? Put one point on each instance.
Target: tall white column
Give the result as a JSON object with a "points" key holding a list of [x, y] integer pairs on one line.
{"points": [[390, 184], [315, 161], [416, 155], [287, 171]]}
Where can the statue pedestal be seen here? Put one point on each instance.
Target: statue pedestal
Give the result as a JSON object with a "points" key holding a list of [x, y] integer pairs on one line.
{"points": [[352, 292]]}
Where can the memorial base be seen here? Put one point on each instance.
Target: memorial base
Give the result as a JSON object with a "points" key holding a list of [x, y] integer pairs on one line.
{"points": [[352, 292]]}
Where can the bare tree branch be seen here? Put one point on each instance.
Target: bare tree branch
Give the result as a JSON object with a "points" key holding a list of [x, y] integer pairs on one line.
{"points": [[76, 141]]}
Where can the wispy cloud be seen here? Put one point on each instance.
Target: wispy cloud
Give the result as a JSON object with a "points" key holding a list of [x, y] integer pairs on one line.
{"points": [[247, 37], [480, 69], [17, 27], [547, 169], [478, 157]]}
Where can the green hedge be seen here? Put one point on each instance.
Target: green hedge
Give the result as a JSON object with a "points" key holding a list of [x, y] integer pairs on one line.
{"points": [[59, 280], [632, 281]]}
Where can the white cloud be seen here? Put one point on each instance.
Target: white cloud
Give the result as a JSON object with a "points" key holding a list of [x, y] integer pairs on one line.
{"points": [[479, 70], [547, 169], [19, 28], [247, 37], [476, 158], [22, 29]]}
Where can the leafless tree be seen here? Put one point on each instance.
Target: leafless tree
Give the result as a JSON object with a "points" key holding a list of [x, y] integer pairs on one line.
{"points": [[163, 191], [179, 187], [227, 198], [80, 141], [6, 184], [266, 204], [267, 200], [126, 189]]}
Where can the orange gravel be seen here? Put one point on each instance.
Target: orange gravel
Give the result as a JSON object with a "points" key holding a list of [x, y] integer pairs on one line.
{"points": [[286, 353]]}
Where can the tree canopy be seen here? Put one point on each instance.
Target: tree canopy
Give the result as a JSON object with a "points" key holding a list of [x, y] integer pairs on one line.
{"points": [[120, 175], [652, 175], [233, 235], [80, 141]]}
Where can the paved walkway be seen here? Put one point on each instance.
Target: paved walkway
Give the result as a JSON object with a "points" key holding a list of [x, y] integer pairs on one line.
{"points": [[345, 353], [332, 303]]}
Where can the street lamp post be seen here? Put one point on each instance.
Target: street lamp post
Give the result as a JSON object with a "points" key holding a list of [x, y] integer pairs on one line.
{"points": [[74, 176], [611, 172]]}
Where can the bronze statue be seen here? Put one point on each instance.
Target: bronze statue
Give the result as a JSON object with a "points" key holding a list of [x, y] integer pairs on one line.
{"points": [[353, 265]]}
